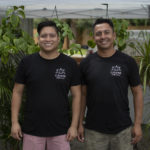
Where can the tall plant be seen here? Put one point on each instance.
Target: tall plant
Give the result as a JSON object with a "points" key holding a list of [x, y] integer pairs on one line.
{"points": [[122, 35], [14, 44], [142, 47], [65, 31], [12, 37]]}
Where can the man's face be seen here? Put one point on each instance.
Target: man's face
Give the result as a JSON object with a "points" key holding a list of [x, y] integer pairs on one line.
{"points": [[48, 39], [104, 36]]}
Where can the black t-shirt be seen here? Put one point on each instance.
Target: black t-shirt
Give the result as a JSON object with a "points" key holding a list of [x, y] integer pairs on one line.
{"points": [[47, 86], [107, 81]]}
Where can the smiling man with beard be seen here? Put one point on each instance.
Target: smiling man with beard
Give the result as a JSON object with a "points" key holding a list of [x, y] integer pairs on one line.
{"points": [[106, 76], [48, 76]]}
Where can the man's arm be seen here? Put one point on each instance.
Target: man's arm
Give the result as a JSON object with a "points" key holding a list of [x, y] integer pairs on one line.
{"points": [[15, 107], [82, 114], [76, 98], [138, 112]]}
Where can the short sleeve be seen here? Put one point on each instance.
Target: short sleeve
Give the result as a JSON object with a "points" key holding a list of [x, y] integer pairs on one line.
{"points": [[20, 73], [134, 77], [75, 80]]}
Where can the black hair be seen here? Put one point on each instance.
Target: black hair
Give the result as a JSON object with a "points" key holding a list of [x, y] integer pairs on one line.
{"points": [[48, 23], [102, 20]]}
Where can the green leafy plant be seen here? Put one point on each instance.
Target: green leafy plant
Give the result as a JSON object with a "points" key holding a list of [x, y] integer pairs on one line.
{"points": [[12, 37], [122, 35], [14, 44], [64, 31], [73, 49], [142, 47]]}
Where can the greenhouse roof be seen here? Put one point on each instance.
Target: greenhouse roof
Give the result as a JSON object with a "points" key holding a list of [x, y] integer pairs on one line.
{"points": [[81, 8]]}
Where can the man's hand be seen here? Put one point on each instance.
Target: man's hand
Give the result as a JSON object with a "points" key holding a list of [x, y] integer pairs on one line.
{"points": [[16, 131], [81, 133], [136, 134], [71, 134]]}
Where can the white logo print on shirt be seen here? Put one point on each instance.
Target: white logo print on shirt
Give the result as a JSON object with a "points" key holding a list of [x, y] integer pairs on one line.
{"points": [[60, 73], [116, 71]]}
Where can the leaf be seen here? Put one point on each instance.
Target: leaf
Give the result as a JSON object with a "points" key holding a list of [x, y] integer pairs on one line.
{"points": [[60, 45], [1, 32], [6, 39], [14, 19], [77, 46], [141, 65], [15, 7], [91, 43], [64, 34], [20, 12], [4, 59], [22, 7], [122, 47], [2, 45], [4, 21], [145, 78], [71, 52], [70, 36], [9, 11], [27, 37]]}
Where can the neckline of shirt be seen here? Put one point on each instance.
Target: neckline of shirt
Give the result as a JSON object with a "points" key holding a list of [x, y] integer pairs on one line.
{"points": [[49, 60], [106, 58]]}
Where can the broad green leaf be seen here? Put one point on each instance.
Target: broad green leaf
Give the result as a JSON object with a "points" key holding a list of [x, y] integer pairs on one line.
{"points": [[20, 12], [121, 42], [9, 11], [14, 20], [70, 36], [27, 37], [71, 52], [91, 43], [2, 45], [6, 39], [15, 7], [22, 7]]}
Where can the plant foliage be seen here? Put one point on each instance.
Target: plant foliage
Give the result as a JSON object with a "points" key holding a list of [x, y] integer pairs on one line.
{"points": [[14, 44], [142, 47], [122, 35]]}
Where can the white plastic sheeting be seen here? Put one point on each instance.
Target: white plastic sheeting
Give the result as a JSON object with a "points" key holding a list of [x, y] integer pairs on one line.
{"points": [[80, 8]]}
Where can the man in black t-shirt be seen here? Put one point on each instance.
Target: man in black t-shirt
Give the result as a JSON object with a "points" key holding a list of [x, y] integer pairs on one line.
{"points": [[106, 76], [48, 76]]}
